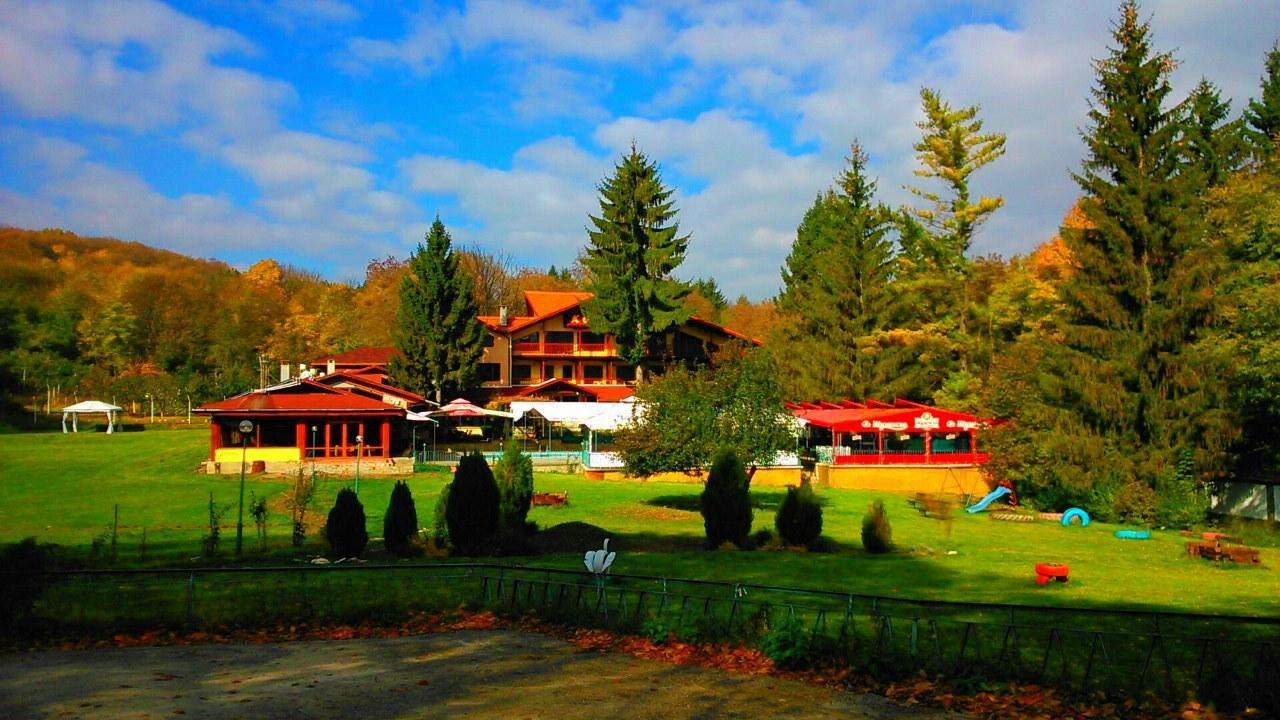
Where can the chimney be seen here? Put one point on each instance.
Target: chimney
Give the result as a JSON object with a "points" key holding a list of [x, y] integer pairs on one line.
{"points": [[284, 372], [332, 366], [503, 317]]}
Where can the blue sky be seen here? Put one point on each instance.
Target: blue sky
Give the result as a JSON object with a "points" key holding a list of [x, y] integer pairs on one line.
{"points": [[326, 133]]}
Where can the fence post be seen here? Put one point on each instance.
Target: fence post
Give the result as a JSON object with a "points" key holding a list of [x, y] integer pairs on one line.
{"points": [[115, 529], [191, 588]]}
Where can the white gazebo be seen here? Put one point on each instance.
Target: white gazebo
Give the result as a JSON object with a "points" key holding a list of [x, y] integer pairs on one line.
{"points": [[89, 406]]}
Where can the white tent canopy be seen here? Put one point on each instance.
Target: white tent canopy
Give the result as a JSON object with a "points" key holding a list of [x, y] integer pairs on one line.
{"points": [[90, 406], [597, 416]]}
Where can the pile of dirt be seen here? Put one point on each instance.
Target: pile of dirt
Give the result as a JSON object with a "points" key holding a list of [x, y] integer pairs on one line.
{"points": [[570, 537]]}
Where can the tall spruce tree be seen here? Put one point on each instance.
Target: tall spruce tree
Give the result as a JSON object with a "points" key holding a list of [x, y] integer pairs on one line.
{"points": [[1263, 114], [1140, 295], [437, 334], [634, 245], [836, 290]]}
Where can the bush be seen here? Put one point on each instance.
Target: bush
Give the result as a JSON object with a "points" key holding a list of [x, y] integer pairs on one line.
{"points": [[472, 509], [439, 522], [877, 536], [514, 475], [345, 529], [24, 565], [726, 501], [788, 644], [799, 518], [1136, 503], [400, 524]]}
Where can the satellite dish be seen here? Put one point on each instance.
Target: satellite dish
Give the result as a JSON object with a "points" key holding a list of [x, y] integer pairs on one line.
{"points": [[246, 427]]}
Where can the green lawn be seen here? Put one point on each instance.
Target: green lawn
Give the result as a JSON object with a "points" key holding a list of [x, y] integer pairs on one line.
{"points": [[62, 488]]}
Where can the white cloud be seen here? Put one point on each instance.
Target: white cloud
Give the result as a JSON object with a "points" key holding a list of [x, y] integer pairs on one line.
{"points": [[550, 91]]}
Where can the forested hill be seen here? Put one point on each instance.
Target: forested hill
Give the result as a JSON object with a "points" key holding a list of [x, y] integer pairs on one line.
{"points": [[103, 317]]}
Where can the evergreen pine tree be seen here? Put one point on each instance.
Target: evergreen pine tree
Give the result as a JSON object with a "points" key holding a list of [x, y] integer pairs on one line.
{"points": [[437, 334], [1140, 295], [1213, 146], [634, 245], [836, 290], [1263, 114]]}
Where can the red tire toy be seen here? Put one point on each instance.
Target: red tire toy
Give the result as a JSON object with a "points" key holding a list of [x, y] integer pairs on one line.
{"points": [[1051, 571]]}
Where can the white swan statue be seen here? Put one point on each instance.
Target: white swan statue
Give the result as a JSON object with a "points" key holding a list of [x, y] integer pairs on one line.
{"points": [[599, 561]]}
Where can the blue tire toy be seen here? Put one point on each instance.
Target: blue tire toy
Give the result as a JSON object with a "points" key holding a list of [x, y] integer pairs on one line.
{"points": [[1073, 514], [1133, 534]]}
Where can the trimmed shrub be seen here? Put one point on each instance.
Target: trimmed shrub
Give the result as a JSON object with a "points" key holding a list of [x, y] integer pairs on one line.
{"points": [[345, 529], [439, 523], [799, 518], [726, 501], [514, 475], [472, 509], [877, 536], [400, 524]]}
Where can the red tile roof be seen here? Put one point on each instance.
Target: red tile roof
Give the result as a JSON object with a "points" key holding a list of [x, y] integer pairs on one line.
{"points": [[542, 303], [366, 381], [300, 396], [358, 356], [602, 393]]}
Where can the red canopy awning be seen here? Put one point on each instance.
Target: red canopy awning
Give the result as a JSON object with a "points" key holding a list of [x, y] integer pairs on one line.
{"points": [[901, 416]]}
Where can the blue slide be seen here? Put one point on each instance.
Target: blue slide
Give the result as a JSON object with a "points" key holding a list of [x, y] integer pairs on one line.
{"points": [[992, 497]]}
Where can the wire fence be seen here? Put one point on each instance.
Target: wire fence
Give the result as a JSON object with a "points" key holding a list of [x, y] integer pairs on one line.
{"points": [[1231, 660]]}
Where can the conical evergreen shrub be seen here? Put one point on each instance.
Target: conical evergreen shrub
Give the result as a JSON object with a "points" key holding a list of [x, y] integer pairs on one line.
{"points": [[400, 524], [345, 529], [726, 501], [799, 518], [472, 512], [514, 475]]}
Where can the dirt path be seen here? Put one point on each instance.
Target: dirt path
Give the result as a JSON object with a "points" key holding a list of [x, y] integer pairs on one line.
{"points": [[470, 673]]}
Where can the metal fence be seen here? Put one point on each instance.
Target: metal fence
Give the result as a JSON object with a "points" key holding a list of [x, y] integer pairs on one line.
{"points": [[1231, 660]]}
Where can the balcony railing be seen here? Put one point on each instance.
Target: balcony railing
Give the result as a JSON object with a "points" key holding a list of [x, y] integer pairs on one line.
{"points": [[901, 458], [557, 348], [593, 347], [527, 347]]}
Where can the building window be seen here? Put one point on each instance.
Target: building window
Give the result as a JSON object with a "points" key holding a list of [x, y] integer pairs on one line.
{"points": [[490, 372], [522, 372], [488, 339], [528, 342], [626, 373], [591, 341], [566, 372], [593, 373]]}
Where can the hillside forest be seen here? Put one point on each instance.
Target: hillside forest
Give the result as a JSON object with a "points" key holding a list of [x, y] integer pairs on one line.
{"points": [[1129, 362]]}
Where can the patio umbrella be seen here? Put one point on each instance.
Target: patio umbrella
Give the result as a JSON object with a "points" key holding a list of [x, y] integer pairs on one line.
{"points": [[459, 407]]}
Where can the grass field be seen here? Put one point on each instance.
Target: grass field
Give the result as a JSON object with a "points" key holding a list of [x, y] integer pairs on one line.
{"points": [[62, 489]]}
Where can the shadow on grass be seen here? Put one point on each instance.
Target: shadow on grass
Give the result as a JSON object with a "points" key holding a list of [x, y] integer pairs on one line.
{"points": [[767, 500]]}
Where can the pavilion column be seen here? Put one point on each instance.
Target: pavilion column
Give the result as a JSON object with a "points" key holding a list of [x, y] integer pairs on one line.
{"points": [[973, 443], [928, 446], [215, 439], [361, 445], [328, 439], [386, 438], [300, 434], [880, 446], [344, 439]]}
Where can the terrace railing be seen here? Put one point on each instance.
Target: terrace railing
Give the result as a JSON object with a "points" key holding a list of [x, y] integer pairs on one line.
{"points": [[1231, 660]]}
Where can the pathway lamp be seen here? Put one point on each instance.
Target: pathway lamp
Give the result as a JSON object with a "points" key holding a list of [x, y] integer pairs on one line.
{"points": [[245, 428], [359, 452], [313, 452]]}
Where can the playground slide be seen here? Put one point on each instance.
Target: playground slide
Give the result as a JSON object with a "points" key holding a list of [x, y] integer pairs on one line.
{"points": [[990, 498]]}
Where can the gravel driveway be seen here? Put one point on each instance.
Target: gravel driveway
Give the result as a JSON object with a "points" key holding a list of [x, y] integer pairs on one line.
{"points": [[468, 673]]}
